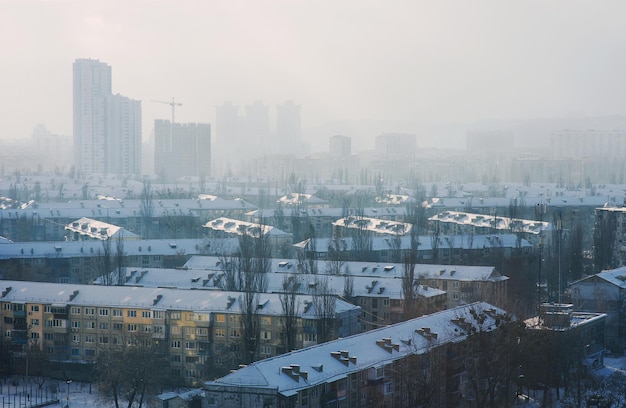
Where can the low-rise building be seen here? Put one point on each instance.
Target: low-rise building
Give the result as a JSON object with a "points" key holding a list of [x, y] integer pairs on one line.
{"points": [[200, 331], [381, 367], [604, 292]]}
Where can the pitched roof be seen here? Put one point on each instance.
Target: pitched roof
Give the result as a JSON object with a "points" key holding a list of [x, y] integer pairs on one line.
{"points": [[328, 362]]}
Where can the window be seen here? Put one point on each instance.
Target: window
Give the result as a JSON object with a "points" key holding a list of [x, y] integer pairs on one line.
{"points": [[90, 352], [34, 308], [91, 325], [385, 302], [75, 324], [147, 328], [75, 352], [175, 315], [34, 335], [266, 321], [220, 318], [455, 296], [34, 322], [175, 329], [132, 327], [158, 329], [266, 350], [76, 338], [235, 333], [266, 335], [220, 332], [90, 311], [156, 258], [175, 344], [146, 314], [188, 331], [158, 314], [90, 339], [190, 345], [118, 326], [175, 359], [388, 388], [7, 306], [117, 312], [202, 331], [131, 313], [234, 318], [103, 312], [104, 326], [104, 340]]}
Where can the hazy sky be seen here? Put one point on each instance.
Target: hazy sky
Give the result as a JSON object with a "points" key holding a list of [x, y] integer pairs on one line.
{"points": [[435, 61]]}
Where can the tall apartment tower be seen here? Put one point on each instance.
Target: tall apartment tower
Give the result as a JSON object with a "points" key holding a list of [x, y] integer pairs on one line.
{"points": [[181, 150], [257, 128], [288, 128], [107, 127], [340, 146], [228, 128]]}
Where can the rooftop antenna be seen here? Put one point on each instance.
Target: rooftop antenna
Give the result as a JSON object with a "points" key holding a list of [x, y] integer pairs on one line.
{"points": [[173, 104]]}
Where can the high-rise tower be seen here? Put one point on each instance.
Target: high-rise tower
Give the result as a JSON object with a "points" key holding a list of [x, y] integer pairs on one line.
{"points": [[107, 127]]}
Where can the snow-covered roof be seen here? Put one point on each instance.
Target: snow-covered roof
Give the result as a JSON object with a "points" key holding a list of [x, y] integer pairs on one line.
{"points": [[383, 287], [369, 270], [301, 369], [615, 276], [114, 208], [374, 225], [486, 221], [95, 229], [333, 213], [78, 249], [380, 243], [149, 298], [237, 227], [300, 198]]}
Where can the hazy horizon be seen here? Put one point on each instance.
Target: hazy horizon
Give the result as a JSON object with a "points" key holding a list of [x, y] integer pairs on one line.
{"points": [[435, 64]]}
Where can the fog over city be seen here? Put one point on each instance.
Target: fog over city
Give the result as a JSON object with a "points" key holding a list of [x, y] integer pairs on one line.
{"points": [[355, 67]]}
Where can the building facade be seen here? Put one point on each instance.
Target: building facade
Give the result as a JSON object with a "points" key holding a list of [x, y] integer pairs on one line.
{"points": [[107, 127], [199, 331], [181, 150]]}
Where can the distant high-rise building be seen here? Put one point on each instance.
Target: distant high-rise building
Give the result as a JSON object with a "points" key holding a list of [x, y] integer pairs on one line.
{"points": [[396, 144], [228, 128], [288, 128], [181, 150], [589, 143], [489, 141], [257, 127], [340, 146], [124, 135], [107, 127]]}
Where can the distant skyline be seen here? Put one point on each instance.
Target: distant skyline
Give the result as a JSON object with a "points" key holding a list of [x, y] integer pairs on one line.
{"points": [[444, 62]]}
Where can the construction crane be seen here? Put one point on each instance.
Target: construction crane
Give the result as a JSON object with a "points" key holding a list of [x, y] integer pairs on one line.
{"points": [[173, 104]]}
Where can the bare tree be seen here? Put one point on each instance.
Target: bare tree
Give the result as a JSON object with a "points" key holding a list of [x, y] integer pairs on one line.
{"points": [[324, 306], [337, 248], [290, 306], [128, 368], [147, 208], [120, 256]]}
